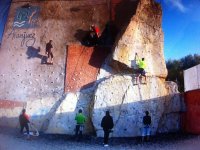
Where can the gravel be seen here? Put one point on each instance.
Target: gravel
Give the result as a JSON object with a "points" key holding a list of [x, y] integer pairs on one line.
{"points": [[10, 139]]}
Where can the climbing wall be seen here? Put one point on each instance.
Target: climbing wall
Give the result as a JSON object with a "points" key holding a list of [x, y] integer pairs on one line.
{"points": [[24, 74]]}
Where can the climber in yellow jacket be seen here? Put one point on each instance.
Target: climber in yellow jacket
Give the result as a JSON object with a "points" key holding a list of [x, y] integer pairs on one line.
{"points": [[141, 68]]}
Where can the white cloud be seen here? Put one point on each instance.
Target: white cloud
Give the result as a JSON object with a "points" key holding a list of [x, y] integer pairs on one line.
{"points": [[177, 3]]}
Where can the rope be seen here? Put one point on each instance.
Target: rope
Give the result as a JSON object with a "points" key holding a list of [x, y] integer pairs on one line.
{"points": [[35, 131], [76, 66]]}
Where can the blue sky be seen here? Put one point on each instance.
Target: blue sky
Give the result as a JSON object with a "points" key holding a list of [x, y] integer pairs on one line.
{"points": [[4, 7], [181, 26]]}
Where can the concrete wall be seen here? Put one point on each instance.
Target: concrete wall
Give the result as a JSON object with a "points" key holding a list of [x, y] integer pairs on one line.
{"points": [[192, 78]]}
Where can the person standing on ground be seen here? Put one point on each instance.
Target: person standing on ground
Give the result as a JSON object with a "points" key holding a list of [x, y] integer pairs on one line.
{"points": [[142, 66], [146, 129], [107, 124], [80, 120], [49, 52], [24, 121]]}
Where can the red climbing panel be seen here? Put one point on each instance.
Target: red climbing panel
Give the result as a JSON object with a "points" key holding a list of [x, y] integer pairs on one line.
{"points": [[83, 64], [7, 104], [192, 115]]}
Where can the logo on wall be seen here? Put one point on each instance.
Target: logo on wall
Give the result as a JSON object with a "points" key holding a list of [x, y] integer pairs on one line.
{"points": [[26, 17]]}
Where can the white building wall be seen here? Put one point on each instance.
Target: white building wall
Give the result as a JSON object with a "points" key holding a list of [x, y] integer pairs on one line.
{"points": [[192, 78]]}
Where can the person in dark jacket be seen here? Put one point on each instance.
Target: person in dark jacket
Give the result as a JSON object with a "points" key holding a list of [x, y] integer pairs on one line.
{"points": [[24, 120], [49, 51], [146, 130], [107, 125]]}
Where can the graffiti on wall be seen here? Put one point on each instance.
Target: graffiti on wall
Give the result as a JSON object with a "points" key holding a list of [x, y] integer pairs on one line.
{"points": [[26, 17], [27, 39]]}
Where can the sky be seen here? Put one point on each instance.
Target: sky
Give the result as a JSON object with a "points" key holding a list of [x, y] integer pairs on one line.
{"points": [[4, 7], [181, 27]]}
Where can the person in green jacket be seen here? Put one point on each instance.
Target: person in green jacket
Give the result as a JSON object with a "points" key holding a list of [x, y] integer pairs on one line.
{"points": [[141, 68], [80, 120]]}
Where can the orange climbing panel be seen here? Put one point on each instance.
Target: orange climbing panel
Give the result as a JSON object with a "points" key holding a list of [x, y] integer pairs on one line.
{"points": [[192, 115], [82, 66]]}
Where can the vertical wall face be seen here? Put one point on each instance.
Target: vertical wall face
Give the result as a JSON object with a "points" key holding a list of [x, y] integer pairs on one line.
{"points": [[192, 78], [24, 74], [127, 99], [143, 36]]}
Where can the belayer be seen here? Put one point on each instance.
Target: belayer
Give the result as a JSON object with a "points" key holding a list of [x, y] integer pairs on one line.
{"points": [[24, 121]]}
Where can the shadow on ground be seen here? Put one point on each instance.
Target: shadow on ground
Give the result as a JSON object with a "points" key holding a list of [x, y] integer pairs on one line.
{"points": [[162, 139]]}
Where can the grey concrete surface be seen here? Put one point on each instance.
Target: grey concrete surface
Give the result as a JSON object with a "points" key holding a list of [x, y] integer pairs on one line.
{"points": [[10, 139]]}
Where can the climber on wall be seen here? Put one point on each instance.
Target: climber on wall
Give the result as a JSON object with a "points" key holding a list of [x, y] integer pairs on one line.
{"points": [[95, 29], [92, 38], [49, 52], [141, 68], [107, 125], [80, 120]]}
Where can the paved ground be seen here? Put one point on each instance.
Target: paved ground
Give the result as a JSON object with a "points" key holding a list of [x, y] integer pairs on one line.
{"points": [[11, 140]]}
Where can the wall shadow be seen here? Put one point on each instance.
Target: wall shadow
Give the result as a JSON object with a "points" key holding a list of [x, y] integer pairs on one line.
{"points": [[83, 65], [81, 35], [165, 113], [107, 37], [96, 60], [33, 52], [123, 12], [99, 55]]}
